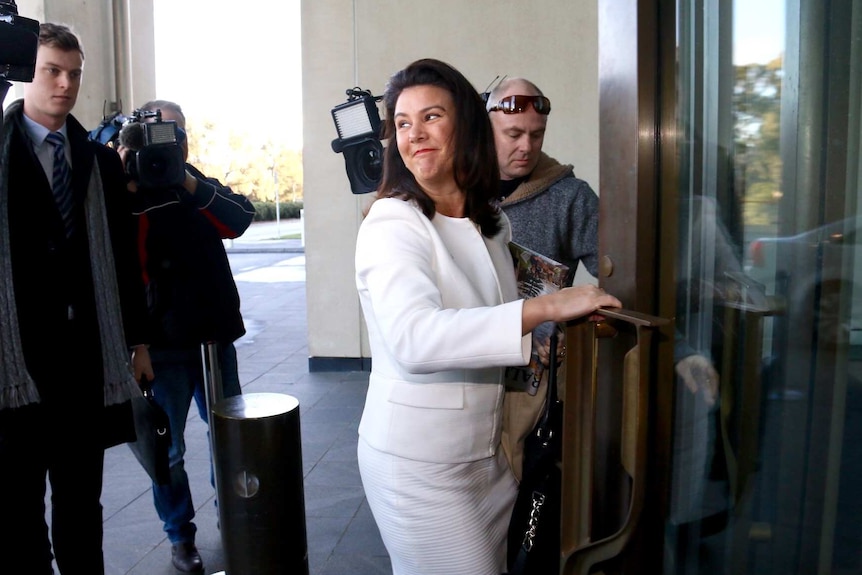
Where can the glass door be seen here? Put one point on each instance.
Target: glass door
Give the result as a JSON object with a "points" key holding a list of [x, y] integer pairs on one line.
{"points": [[730, 226]]}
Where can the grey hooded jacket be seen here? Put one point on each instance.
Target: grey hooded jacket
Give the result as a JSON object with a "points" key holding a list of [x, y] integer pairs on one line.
{"points": [[556, 214]]}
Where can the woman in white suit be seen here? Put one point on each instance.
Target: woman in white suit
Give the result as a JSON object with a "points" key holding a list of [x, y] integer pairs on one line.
{"points": [[438, 291]]}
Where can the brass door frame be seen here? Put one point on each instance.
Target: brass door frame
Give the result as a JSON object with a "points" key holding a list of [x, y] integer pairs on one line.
{"points": [[638, 215]]}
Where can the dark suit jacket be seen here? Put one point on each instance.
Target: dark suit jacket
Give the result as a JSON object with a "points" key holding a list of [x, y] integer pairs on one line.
{"points": [[52, 274]]}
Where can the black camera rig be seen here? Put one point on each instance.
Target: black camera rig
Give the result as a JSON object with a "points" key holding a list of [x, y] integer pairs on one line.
{"points": [[358, 124], [157, 160], [19, 42]]}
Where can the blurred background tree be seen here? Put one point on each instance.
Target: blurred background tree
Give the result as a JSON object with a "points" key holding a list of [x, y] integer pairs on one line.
{"points": [[757, 111], [258, 170]]}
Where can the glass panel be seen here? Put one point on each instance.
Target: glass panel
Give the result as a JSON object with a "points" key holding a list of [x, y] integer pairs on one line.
{"points": [[768, 357]]}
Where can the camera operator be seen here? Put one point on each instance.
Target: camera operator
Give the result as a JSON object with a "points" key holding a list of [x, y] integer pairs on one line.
{"points": [[192, 300], [72, 308]]}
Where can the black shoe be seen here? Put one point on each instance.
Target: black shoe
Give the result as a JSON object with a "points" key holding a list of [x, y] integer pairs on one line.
{"points": [[186, 558]]}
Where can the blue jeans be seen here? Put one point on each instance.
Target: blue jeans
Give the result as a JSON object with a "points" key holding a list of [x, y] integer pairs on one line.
{"points": [[179, 378]]}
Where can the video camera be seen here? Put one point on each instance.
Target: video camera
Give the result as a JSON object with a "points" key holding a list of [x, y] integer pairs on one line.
{"points": [[358, 124], [157, 159], [19, 41]]}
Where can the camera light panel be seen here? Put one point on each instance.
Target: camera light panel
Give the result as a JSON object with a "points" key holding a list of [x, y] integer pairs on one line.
{"points": [[352, 120], [161, 133]]}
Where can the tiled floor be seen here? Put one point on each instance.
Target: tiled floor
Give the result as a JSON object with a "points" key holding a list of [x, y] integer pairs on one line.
{"points": [[273, 357]]}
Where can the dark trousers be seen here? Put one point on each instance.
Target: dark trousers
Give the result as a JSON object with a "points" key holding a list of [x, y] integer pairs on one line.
{"points": [[62, 443], [179, 380]]}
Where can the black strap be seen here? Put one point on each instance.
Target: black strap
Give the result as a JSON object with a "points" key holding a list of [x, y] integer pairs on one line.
{"points": [[545, 431]]}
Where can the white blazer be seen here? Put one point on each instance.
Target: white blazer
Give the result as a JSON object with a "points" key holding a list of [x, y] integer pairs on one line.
{"points": [[438, 348]]}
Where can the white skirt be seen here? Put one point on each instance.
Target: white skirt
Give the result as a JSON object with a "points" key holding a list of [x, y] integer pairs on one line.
{"points": [[440, 518]]}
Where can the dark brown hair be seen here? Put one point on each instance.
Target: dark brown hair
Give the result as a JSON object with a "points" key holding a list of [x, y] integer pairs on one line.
{"points": [[475, 160], [60, 37]]}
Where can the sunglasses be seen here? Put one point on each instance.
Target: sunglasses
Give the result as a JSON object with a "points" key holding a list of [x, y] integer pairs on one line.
{"points": [[518, 104]]}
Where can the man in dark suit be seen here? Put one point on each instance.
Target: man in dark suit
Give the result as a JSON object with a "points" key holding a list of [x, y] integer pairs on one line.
{"points": [[73, 314]]}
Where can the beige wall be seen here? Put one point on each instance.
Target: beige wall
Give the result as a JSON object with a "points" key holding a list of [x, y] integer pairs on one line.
{"points": [[348, 43]]}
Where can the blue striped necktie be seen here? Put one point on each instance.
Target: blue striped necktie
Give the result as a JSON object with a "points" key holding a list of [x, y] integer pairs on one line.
{"points": [[61, 181]]}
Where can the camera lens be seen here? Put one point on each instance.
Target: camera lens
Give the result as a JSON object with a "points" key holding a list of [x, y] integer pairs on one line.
{"points": [[364, 163], [371, 164], [161, 165]]}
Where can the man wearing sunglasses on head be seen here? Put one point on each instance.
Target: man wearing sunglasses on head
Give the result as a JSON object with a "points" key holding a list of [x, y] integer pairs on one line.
{"points": [[551, 211]]}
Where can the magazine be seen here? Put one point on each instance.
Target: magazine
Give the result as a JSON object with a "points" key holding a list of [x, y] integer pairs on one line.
{"points": [[536, 274]]}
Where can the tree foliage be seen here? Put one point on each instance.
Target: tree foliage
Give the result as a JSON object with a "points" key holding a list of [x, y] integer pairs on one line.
{"points": [[241, 161], [757, 110]]}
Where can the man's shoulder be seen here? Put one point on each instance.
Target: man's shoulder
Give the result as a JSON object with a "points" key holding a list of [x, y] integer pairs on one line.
{"points": [[107, 157], [75, 130], [572, 183], [13, 115], [79, 136], [576, 194], [13, 110], [563, 187], [12, 106]]}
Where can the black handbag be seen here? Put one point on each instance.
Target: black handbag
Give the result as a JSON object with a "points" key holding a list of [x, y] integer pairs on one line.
{"points": [[534, 530], [153, 431], [117, 424]]}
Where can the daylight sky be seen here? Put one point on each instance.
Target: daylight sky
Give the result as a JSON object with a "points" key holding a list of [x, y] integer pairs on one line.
{"points": [[238, 63], [758, 30]]}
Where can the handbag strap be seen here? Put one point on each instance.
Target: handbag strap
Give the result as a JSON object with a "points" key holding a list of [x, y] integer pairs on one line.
{"points": [[543, 426], [146, 387], [552, 374], [538, 497]]}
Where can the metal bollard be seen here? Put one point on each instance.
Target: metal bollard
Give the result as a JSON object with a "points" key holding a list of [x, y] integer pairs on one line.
{"points": [[258, 470]]}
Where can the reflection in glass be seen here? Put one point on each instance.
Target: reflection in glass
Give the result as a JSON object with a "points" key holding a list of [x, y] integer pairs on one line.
{"points": [[768, 407]]}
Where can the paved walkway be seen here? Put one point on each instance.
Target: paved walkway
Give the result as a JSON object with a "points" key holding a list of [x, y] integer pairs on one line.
{"points": [[282, 236], [273, 357]]}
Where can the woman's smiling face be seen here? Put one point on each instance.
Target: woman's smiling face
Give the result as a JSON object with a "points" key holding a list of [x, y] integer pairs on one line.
{"points": [[424, 127]]}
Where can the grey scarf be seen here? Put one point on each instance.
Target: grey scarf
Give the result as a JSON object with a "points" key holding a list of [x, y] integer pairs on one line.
{"points": [[17, 388]]}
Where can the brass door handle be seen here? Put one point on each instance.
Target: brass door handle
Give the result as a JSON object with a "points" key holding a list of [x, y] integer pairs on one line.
{"points": [[579, 552]]}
